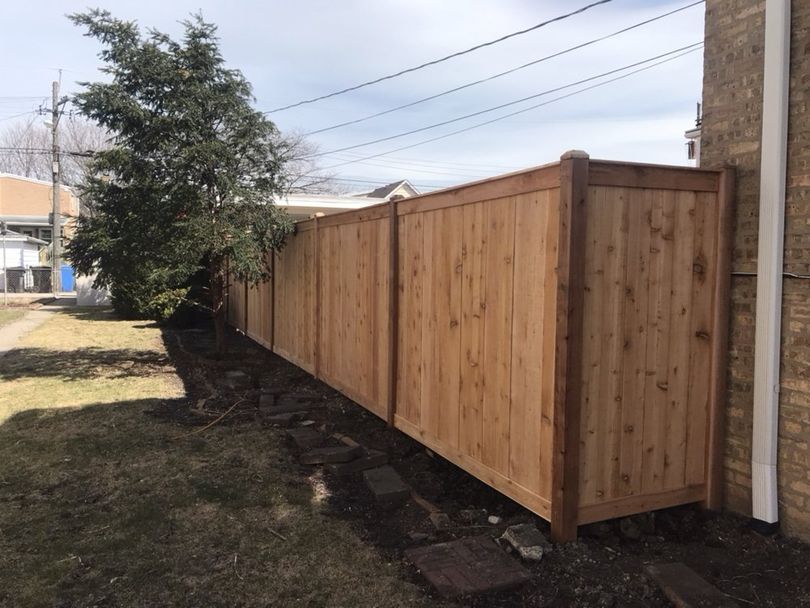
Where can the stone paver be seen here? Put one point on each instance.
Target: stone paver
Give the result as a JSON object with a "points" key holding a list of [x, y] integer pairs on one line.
{"points": [[386, 485], [343, 453], [371, 460], [284, 420], [467, 566], [686, 589], [306, 438]]}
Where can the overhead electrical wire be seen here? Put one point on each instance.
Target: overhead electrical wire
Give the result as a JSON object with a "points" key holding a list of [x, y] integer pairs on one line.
{"points": [[521, 111], [441, 59], [504, 105], [438, 164], [19, 115], [504, 73]]}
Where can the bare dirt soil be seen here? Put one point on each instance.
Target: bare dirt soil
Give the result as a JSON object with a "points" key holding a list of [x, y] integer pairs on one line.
{"points": [[604, 568]]}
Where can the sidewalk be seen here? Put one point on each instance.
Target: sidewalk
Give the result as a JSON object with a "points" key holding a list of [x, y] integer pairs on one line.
{"points": [[11, 334]]}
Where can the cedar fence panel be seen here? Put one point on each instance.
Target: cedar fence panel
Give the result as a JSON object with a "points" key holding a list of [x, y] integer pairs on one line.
{"points": [[559, 332]]}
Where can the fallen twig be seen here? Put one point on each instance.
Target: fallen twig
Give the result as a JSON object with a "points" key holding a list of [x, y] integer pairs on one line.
{"points": [[212, 423], [281, 536], [239, 576]]}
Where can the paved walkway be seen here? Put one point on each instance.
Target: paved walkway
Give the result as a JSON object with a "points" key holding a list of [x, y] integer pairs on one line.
{"points": [[11, 334]]}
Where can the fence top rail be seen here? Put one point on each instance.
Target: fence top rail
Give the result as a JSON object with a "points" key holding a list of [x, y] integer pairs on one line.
{"points": [[644, 175], [543, 177]]}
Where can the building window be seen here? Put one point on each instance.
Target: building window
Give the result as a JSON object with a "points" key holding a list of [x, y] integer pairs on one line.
{"points": [[27, 231], [45, 234]]}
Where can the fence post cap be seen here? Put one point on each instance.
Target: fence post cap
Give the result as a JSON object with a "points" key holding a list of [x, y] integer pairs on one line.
{"points": [[574, 154]]}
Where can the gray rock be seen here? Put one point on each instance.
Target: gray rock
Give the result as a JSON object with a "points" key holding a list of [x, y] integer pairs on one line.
{"points": [[494, 520], [440, 520], [527, 540]]}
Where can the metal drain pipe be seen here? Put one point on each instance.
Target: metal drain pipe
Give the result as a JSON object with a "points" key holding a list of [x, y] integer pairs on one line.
{"points": [[775, 98]]}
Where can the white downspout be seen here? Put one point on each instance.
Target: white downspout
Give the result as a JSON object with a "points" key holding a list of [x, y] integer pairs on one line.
{"points": [[775, 91]]}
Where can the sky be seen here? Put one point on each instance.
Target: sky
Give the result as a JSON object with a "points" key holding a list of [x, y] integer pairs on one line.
{"points": [[292, 51]]}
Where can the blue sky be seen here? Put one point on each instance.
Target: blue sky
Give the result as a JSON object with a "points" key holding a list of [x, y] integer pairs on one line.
{"points": [[293, 51]]}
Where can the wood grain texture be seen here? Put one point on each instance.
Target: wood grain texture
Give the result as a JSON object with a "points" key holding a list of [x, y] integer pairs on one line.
{"points": [[560, 333], [568, 356]]}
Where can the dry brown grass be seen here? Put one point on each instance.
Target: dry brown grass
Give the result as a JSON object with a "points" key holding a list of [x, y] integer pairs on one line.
{"points": [[100, 505], [9, 315]]}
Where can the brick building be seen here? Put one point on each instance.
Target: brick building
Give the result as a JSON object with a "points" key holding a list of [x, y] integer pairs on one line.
{"points": [[732, 133]]}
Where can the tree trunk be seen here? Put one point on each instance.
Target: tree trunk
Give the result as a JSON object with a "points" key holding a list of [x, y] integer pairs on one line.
{"points": [[217, 283]]}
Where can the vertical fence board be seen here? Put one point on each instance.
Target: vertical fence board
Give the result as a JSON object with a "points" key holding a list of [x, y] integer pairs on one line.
{"points": [[411, 278], [529, 308], [497, 358], [473, 314]]}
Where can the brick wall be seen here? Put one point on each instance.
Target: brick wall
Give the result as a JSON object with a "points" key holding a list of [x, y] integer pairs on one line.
{"points": [[732, 102]]}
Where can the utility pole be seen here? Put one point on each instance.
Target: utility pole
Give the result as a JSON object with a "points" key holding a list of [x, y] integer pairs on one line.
{"points": [[56, 230]]}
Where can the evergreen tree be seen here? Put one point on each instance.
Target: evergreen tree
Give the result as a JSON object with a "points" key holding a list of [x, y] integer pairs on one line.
{"points": [[189, 180]]}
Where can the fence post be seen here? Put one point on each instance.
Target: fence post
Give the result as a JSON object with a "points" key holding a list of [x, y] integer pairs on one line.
{"points": [[393, 310], [316, 355], [272, 299], [568, 350], [245, 329], [719, 344]]}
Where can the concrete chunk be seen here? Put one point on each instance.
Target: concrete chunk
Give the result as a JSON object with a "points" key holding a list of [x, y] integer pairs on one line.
{"points": [[342, 453], [386, 485], [685, 589]]}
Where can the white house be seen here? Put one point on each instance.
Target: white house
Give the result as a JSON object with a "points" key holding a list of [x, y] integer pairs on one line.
{"points": [[20, 252], [302, 206]]}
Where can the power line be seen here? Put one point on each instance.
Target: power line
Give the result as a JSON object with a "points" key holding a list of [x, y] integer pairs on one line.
{"points": [[384, 182], [439, 164], [500, 74], [435, 163], [420, 169], [503, 105], [19, 115], [441, 59], [499, 118]]}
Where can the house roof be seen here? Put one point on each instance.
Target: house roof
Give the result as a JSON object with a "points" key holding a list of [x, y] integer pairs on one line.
{"points": [[34, 181], [389, 189], [17, 237], [307, 204], [34, 220]]}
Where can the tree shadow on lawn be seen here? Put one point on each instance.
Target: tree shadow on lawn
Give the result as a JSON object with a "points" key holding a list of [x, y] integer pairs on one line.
{"points": [[103, 505], [83, 363]]}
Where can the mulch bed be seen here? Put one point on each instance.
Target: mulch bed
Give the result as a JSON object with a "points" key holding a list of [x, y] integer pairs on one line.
{"points": [[605, 567]]}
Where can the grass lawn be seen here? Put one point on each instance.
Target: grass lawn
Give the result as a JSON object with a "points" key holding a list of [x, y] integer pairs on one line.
{"points": [[103, 503], [9, 315]]}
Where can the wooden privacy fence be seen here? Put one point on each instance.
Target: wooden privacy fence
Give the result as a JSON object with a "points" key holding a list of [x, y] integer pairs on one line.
{"points": [[559, 332]]}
